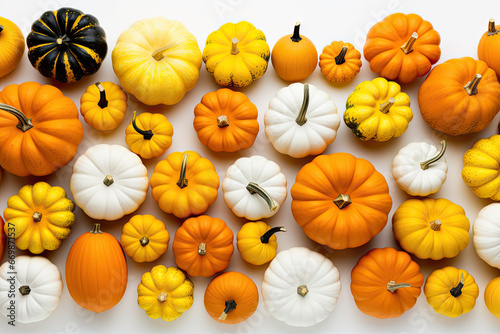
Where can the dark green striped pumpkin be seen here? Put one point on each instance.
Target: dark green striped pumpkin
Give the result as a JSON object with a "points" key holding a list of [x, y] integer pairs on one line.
{"points": [[66, 44]]}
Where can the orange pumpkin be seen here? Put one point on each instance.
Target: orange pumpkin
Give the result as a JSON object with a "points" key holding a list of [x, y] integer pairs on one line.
{"points": [[460, 96], [294, 57], [402, 47], [203, 246], [385, 283], [226, 121], [340, 62], [340, 201], [39, 129], [488, 48], [96, 271], [231, 298], [12, 46]]}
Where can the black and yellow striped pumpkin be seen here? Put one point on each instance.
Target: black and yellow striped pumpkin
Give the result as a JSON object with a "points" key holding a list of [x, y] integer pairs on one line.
{"points": [[66, 44]]}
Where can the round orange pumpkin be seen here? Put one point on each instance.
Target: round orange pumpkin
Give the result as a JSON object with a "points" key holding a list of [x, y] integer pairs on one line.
{"points": [[12, 46], [488, 48], [340, 62]]}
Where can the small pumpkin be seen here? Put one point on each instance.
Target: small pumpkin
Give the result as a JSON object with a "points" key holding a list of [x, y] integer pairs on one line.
{"points": [[96, 271], [294, 57], [378, 110], [66, 52], [256, 242], [301, 120], [486, 234], [165, 292], [184, 184], [236, 55], [420, 168], [41, 216], [451, 291], [12, 46], [231, 298], [492, 297], [144, 238], [431, 228], [489, 47], [149, 135], [104, 105], [385, 283], [340, 62], [226, 121]]}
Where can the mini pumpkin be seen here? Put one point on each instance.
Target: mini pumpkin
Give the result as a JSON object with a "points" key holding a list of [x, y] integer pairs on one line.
{"points": [[486, 234], [492, 296], [257, 242], [489, 47], [340, 62], [11, 44]]}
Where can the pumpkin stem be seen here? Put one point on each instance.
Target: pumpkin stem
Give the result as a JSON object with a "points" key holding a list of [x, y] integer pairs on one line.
{"points": [[183, 182], [408, 46], [436, 225], [471, 87], [1, 28], [222, 121], [492, 30], [103, 103], [384, 107], [457, 291], [234, 46], [296, 36], [202, 248], [96, 229], [254, 188], [24, 122], [158, 54], [146, 134], [301, 117], [302, 290], [63, 40], [162, 297], [425, 164], [392, 286], [108, 180], [340, 59], [265, 237], [230, 305], [342, 201], [37, 216], [144, 241], [25, 290]]}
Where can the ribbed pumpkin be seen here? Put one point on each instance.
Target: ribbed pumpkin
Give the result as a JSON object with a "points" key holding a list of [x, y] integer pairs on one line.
{"points": [[340, 62], [492, 296], [96, 271], [12, 46], [489, 47], [257, 242]]}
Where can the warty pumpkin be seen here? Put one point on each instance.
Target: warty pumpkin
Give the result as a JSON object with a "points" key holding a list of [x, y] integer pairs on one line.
{"points": [[12, 46], [340, 62], [256, 242], [489, 47], [492, 296]]}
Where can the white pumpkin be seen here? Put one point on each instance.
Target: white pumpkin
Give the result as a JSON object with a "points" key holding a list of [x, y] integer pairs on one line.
{"points": [[37, 286], [420, 168], [301, 120], [109, 182], [486, 234], [254, 187], [301, 287]]}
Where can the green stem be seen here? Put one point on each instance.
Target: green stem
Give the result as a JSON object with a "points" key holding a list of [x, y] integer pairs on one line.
{"points": [[25, 290], [265, 237], [108, 180], [183, 182], [425, 164], [24, 122], [202, 248], [301, 117], [103, 103], [302, 290], [146, 134], [392, 286], [254, 188], [296, 36], [96, 229]]}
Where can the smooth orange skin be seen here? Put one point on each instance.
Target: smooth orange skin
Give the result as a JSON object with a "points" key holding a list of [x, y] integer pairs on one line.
{"points": [[492, 296], [294, 61], [12, 46], [343, 72], [488, 50]]}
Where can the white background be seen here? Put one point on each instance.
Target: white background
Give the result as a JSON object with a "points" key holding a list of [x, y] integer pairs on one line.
{"points": [[460, 24]]}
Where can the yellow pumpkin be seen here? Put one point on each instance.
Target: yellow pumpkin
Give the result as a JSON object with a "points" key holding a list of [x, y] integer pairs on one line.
{"points": [[236, 54], [492, 297], [257, 242], [12, 46]]}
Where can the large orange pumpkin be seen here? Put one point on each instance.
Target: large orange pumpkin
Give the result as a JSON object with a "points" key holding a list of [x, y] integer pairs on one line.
{"points": [[96, 271], [488, 48], [340, 201], [39, 129]]}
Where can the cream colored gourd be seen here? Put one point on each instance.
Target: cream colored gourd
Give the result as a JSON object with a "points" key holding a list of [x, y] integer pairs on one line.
{"points": [[486, 234]]}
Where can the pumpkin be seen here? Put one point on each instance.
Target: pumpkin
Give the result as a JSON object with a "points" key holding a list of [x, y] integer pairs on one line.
{"points": [[66, 52], [184, 184], [3, 237], [12, 46], [301, 120], [492, 297], [378, 110], [157, 60], [294, 57], [203, 246], [340, 62], [236, 54], [340, 201], [420, 168], [301, 287], [256, 242], [96, 271], [231, 298], [165, 292], [109, 182], [486, 234], [451, 291], [149, 135], [35, 287], [39, 129], [431, 228], [254, 187], [144, 238], [104, 105], [460, 96], [489, 47], [385, 283], [40, 217], [226, 121], [402, 47]]}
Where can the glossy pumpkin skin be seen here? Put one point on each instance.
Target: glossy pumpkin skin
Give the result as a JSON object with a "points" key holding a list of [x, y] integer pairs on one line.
{"points": [[486, 234], [319, 183], [203, 246], [144, 238], [12, 46], [340, 62], [489, 47], [492, 296], [96, 271], [447, 106], [370, 278], [151, 136], [385, 42], [255, 244], [51, 142], [231, 286], [66, 44]]}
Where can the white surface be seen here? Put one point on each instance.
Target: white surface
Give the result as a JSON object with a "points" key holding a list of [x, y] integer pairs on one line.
{"points": [[460, 25]]}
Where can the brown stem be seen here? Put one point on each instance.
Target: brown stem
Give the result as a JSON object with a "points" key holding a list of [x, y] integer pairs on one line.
{"points": [[457, 290], [425, 164], [392, 286], [265, 237], [25, 290], [408, 46], [96, 229], [492, 30], [146, 134], [384, 107], [340, 59], [108, 180], [254, 188], [144, 241], [435, 225], [24, 122], [471, 87], [302, 290], [202, 248], [103, 103], [301, 117], [222, 121], [158, 54], [37, 216], [342, 200], [183, 182], [230, 305], [234, 46], [162, 297], [296, 36]]}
